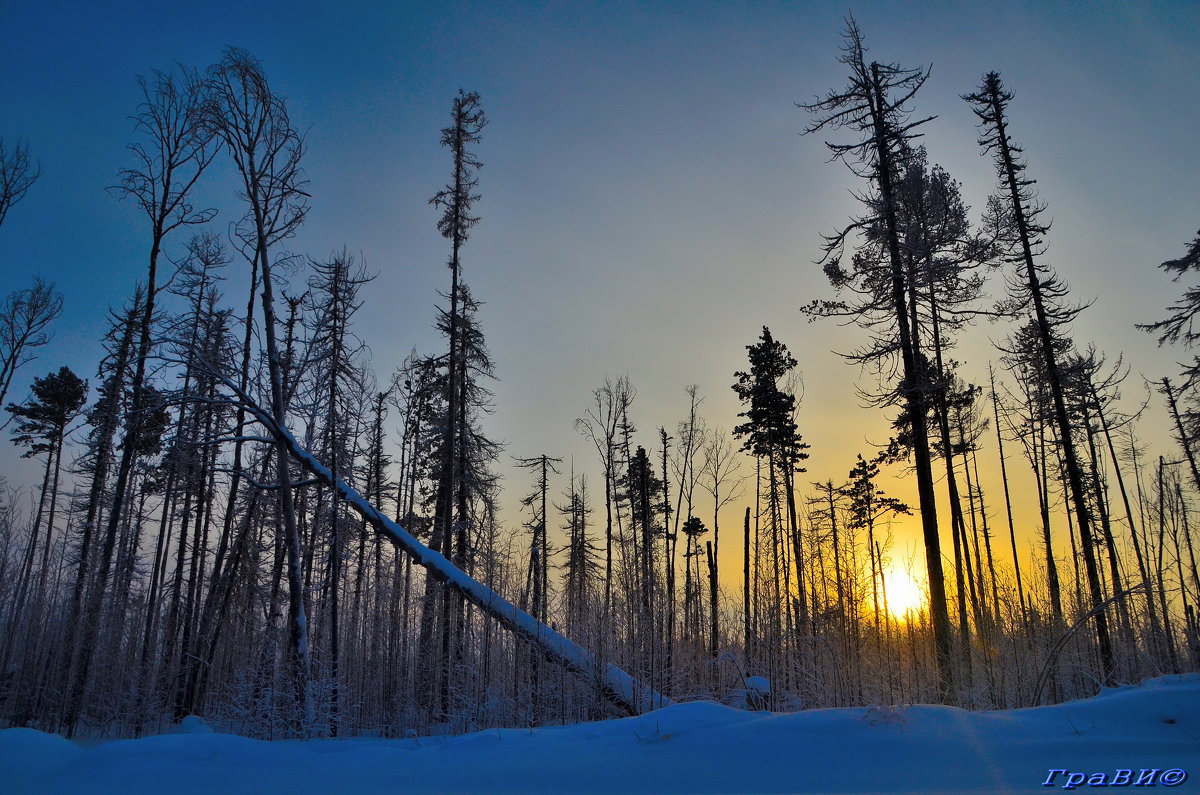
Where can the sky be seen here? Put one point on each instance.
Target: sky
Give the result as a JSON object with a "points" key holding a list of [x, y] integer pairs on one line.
{"points": [[648, 202]]}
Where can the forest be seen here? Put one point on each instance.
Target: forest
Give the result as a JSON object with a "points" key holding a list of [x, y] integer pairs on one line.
{"points": [[237, 517]]}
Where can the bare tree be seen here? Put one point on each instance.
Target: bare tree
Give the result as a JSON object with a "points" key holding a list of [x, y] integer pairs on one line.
{"points": [[625, 692], [17, 174], [175, 151], [601, 423], [257, 132], [720, 467], [25, 316]]}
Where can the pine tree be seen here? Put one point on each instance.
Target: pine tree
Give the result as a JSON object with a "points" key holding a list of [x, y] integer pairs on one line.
{"points": [[770, 435], [55, 401]]}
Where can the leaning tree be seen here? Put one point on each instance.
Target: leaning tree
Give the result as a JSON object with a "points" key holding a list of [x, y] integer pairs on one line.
{"points": [[1039, 289]]}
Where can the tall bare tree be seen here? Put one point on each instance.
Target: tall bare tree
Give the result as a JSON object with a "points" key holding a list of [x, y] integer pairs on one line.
{"points": [[601, 423], [257, 132], [176, 147], [456, 200]]}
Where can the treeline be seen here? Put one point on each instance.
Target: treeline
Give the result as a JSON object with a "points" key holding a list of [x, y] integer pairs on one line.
{"points": [[184, 556]]}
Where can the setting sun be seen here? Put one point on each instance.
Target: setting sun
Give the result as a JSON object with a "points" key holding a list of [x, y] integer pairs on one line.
{"points": [[902, 593]]}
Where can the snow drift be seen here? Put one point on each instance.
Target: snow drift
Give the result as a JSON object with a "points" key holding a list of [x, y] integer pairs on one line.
{"points": [[691, 747]]}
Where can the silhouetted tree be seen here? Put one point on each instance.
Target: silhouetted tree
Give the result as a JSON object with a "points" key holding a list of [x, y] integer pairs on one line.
{"points": [[875, 105], [770, 435], [257, 132], [42, 421], [1180, 324], [583, 561], [1041, 290], [456, 201], [176, 149], [17, 175], [25, 316], [602, 424], [867, 504]]}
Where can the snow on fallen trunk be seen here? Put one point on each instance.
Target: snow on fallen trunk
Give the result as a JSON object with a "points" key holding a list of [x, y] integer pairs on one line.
{"points": [[623, 690]]}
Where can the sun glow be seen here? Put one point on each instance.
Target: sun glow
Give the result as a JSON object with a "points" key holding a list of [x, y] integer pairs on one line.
{"points": [[903, 593]]}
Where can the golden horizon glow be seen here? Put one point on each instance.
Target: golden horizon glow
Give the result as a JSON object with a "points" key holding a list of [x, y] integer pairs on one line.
{"points": [[902, 593]]}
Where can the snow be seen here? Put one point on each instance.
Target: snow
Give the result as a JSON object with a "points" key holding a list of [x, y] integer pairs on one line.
{"points": [[759, 684], [687, 747]]}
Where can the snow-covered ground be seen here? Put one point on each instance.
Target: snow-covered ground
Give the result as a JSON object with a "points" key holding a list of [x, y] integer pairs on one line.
{"points": [[693, 747]]}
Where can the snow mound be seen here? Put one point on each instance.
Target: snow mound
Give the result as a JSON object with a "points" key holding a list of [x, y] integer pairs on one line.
{"points": [[690, 747], [26, 754], [192, 724]]}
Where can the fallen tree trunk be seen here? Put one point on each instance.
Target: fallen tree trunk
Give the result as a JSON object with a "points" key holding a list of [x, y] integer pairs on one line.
{"points": [[622, 690]]}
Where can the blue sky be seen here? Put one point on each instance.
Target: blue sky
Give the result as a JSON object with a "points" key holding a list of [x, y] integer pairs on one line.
{"points": [[648, 203]]}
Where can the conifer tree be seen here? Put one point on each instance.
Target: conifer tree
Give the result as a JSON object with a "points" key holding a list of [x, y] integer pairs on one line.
{"points": [[333, 349], [1042, 291], [582, 560], [456, 201], [55, 400], [867, 504], [1179, 326], [875, 105], [770, 435]]}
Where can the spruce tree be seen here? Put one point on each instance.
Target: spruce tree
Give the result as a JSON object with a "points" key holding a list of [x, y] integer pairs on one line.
{"points": [[456, 201]]}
